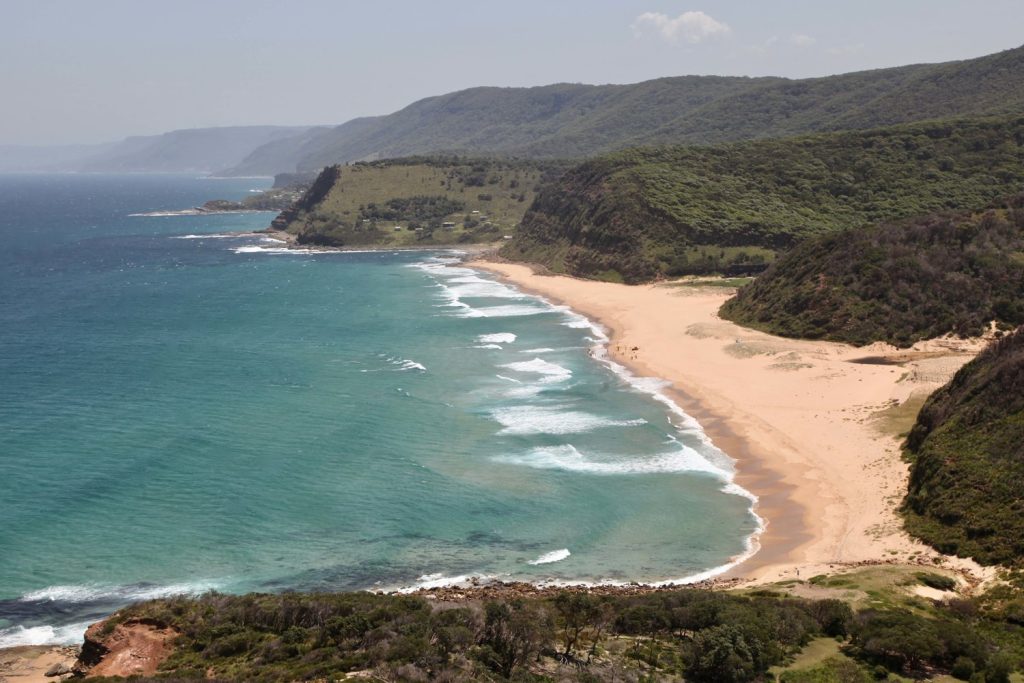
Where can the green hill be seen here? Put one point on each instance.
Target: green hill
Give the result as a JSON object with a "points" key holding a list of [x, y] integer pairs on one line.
{"points": [[648, 213], [895, 282], [574, 120], [414, 202], [967, 479]]}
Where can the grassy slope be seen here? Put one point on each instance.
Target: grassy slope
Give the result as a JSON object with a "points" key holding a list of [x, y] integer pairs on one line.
{"points": [[572, 120], [338, 217], [900, 283], [647, 213], [967, 478]]}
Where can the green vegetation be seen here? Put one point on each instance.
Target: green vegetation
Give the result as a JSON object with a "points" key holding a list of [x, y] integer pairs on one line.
{"points": [[895, 282], [417, 201], [967, 451], [651, 213], [878, 631], [574, 120]]}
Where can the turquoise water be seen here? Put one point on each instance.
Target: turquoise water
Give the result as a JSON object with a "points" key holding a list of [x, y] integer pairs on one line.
{"points": [[182, 410]]}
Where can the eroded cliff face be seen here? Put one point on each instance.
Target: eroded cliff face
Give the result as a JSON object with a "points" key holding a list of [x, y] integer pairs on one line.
{"points": [[130, 648]]}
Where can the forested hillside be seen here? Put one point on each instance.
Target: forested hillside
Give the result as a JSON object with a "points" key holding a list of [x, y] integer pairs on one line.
{"points": [[575, 120], [648, 213], [967, 478], [950, 273]]}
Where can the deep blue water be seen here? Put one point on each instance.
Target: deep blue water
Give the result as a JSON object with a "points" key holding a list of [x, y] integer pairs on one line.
{"points": [[182, 413]]}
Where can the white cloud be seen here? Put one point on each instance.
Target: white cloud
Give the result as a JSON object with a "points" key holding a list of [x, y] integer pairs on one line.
{"points": [[765, 47], [801, 40], [693, 27]]}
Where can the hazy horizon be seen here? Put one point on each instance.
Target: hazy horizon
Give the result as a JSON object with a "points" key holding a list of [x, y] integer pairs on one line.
{"points": [[88, 74]]}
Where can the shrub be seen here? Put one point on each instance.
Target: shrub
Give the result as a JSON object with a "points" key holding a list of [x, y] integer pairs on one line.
{"points": [[724, 654]]}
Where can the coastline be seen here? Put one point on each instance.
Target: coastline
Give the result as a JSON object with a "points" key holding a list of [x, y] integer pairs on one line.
{"points": [[813, 433], [818, 519]]}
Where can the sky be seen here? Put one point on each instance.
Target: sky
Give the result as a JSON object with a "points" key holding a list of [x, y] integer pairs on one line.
{"points": [[87, 71]]}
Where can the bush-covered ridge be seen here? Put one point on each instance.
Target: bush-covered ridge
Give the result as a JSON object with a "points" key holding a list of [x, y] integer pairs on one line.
{"points": [[704, 636], [415, 201], [648, 213], [951, 273], [966, 492], [573, 120]]}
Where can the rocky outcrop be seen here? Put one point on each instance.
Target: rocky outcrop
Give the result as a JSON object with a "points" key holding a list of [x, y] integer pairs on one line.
{"points": [[129, 648]]}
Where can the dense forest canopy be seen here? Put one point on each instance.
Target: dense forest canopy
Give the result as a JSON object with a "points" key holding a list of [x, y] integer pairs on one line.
{"points": [[952, 273], [650, 213], [967, 451]]}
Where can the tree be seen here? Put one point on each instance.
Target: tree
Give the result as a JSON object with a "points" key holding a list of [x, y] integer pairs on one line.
{"points": [[514, 632], [577, 611], [724, 654]]}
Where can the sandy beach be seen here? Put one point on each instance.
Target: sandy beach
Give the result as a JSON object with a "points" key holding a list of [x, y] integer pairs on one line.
{"points": [[814, 426]]}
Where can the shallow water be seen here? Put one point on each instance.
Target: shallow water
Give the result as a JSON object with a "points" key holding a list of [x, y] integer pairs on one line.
{"points": [[182, 410]]}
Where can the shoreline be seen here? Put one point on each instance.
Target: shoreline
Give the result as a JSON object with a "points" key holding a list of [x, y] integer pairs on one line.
{"points": [[805, 426], [809, 526]]}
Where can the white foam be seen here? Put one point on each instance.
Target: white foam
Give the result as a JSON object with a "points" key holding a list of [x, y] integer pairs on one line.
{"points": [[410, 365], [157, 214], [680, 419], [487, 346], [508, 379], [95, 592], [208, 236], [497, 338], [43, 635], [428, 581], [525, 391], [543, 349], [553, 556], [195, 212], [456, 283], [479, 288], [553, 420], [567, 458], [538, 366], [578, 322], [255, 249], [508, 311], [711, 459]]}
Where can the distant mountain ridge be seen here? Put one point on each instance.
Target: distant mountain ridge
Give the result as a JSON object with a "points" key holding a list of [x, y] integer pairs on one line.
{"points": [[199, 150], [574, 120], [204, 150]]}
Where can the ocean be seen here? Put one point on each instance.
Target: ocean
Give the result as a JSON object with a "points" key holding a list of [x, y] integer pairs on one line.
{"points": [[182, 410]]}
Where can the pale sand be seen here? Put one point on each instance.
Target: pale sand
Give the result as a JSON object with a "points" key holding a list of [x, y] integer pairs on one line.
{"points": [[29, 663], [799, 418]]}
